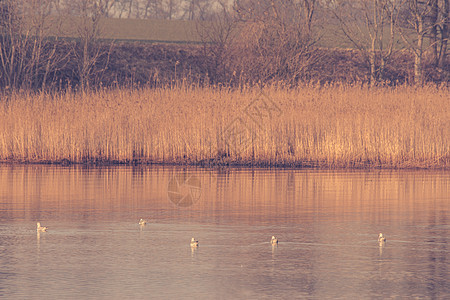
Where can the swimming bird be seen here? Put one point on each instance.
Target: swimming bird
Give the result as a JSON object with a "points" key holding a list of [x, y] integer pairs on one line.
{"points": [[381, 238], [142, 222], [274, 240], [194, 243], [40, 228]]}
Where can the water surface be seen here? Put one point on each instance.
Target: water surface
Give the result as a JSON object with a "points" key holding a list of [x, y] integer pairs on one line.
{"points": [[327, 223]]}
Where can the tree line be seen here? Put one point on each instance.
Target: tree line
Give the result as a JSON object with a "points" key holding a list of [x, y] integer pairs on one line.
{"points": [[252, 41], [283, 35]]}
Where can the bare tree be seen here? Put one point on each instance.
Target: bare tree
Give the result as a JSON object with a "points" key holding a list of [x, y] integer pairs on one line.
{"points": [[27, 56], [309, 8], [445, 33], [426, 19], [276, 41], [121, 8], [434, 15], [202, 9], [218, 35], [147, 9], [415, 17], [12, 47], [165, 9], [439, 20], [366, 23], [87, 49], [151, 9], [439, 31]]}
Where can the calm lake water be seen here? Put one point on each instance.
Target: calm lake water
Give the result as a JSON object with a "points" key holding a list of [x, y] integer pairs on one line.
{"points": [[327, 223]]}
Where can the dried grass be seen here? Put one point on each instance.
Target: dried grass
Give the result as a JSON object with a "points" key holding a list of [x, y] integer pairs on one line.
{"points": [[332, 126]]}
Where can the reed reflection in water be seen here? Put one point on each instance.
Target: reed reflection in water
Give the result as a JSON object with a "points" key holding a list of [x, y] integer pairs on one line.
{"points": [[327, 224]]}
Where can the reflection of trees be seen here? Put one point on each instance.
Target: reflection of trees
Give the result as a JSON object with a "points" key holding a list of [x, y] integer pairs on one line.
{"points": [[248, 196]]}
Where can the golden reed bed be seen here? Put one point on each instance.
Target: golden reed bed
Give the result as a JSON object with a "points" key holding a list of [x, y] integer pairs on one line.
{"points": [[334, 126]]}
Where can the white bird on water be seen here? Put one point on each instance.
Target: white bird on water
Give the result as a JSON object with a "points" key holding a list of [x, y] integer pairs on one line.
{"points": [[142, 222], [40, 228], [381, 238], [274, 240], [194, 243]]}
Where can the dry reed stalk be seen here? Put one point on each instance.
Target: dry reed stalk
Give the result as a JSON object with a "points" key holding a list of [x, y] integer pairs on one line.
{"points": [[334, 126]]}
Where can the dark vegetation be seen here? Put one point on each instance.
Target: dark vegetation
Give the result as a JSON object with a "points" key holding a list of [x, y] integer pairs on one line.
{"points": [[138, 64], [162, 64]]}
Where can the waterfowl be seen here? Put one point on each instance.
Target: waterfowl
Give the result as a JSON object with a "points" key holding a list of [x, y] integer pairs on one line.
{"points": [[194, 243], [381, 238], [142, 222], [274, 241], [40, 228]]}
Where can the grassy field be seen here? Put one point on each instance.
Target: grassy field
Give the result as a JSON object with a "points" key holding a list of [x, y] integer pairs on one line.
{"points": [[328, 35], [148, 30], [334, 126]]}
